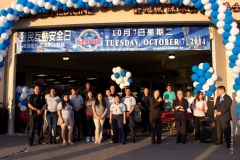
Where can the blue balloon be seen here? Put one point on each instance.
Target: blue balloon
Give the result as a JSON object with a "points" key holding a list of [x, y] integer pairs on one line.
{"points": [[110, 4], [238, 111], [214, 21], [24, 102], [74, 1], [24, 2], [65, 7], [10, 10], [206, 66], [227, 27], [53, 2], [212, 88], [202, 9], [36, 8], [238, 105], [215, 6], [199, 87], [130, 80], [103, 2], [123, 73], [2, 30], [195, 68], [30, 5], [225, 41], [2, 46], [233, 58], [238, 36], [86, 5], [198, 4], [228, 20], [116, 75], [7, 42], [202, 80], [208, 75], [200, 72], [237, 43], [3, 59], [4, 12], [225, 35], [17, 95], [231, 65], [173, 1], [194, 1], [16, 13], [7, 25], [59, 4], [212, 1], [214, 14], [235, 51], [237, 81], [236, 87], [194, 77], [128, 1], [209, 93], [44, 10], [195, 91], [228, 13], [1, 64]]}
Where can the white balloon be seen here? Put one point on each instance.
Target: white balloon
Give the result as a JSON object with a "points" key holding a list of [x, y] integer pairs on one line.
{"points": [[70, 4], [117, 81], [19, 8], [24, 95], [234, 24], [221, 16], [98, 4], [200, 66], [121, 79], [20, 99], [185, 2], [207, 7], [162, 1], [1, 40], [16, 18], [214, 77], [30, 91], [34, 1], [191, 4], [75, 6], [85, 0], [117, 2], [204, 2], [118, 69], [23, 108], [122, 85], [13, 5], [234, 75], [208, 13], [0, 74], [48, 5], [237, 99], [109, 0], [122, 3], [232, 38], [203, 92], [3, 53], [26, 10], [205, 87], [113, 77], [139, 1], [10, 17], [114, 70], [238, 93], [229, 53], [220, 24], [4, 36], [3, 19], [41, 3], [9, 32], [125, 79], [33, 12], [54, 8], [238, 122], [222, 9], [25, 89], [128, 74], [236, 69], [238, 62], [65, 1], [234, 31], [220, 2], [19, 104], [229, 46], [210, 82], [1, 58], [19, 89], [195, 84], [91, 3], [127, 84], [220, 31], [210, 70]]}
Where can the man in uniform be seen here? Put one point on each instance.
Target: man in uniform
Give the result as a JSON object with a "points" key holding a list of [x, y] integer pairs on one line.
{"points": [[130, 103], [36, 105], [144, 100]]}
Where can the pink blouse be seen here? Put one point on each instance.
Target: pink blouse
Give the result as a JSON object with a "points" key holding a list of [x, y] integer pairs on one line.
{"points": [[200, 108]]}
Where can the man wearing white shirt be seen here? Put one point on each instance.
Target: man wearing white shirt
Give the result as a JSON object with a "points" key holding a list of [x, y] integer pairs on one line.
{"points": [[190, 100], [130, 103]]}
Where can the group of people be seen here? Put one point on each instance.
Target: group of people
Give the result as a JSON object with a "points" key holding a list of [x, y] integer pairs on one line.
{"points": [[91, 113]]}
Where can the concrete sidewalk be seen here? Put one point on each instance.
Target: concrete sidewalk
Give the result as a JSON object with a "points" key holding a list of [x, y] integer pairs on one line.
{"points": [[142, 149]]}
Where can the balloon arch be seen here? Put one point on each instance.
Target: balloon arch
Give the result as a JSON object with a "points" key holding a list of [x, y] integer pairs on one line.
{"points": [[221, 17]]}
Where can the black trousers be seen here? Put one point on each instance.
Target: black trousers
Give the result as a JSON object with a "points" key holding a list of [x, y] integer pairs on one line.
{"points": [[78, 123], [197, 126], [223, 127], [145, 119], [84, 123], [117, 126], [35, 121], [181, 125], [131, 124], [90, 127], [156, 125]]}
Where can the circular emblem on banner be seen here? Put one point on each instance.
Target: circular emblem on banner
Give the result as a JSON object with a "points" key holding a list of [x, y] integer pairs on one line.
{"points": [[88, 40]]}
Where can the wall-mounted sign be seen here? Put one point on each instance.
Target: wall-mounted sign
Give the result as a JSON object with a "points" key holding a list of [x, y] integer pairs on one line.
{"points": [[115, 39], [40, 80]]}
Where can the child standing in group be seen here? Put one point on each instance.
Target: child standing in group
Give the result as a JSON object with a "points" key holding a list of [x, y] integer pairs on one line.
{"points": [[109, 100], [117, 119], [89, 116], [99, 112], [66, 118]]}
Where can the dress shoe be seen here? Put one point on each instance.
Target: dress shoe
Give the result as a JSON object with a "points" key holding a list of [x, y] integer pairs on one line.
{"points": [[54, 140], [40, 141], [183, 142], [196, 138], [122, 143], [30, 144], [133, 139], [227, 146], [50, 140], [178, 142], [153, 142]]}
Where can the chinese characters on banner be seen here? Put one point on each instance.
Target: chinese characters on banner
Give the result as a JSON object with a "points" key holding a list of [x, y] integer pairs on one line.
{"points": [[114, 39]]}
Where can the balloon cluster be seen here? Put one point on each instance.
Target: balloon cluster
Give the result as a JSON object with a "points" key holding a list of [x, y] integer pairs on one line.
{"points": [[204, 79], [121, 77], [21, 95]]}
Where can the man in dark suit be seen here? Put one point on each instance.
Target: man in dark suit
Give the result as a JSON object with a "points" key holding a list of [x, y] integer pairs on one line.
{"points": [[180, 106], [223, 116]]}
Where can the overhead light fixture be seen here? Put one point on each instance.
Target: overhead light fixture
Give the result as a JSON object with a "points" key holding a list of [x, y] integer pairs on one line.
{"points": [[50, 79], [56, 82], [65, 58], [41, 75], [72, 80], [171, 56], [67, 77], [91, 78]]}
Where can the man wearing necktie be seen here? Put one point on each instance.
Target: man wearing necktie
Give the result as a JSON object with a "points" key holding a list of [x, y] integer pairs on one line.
{"points": [[223, 116]]}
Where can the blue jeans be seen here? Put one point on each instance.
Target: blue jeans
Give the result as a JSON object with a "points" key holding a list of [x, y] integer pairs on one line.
{"points": [[52, 118]]}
